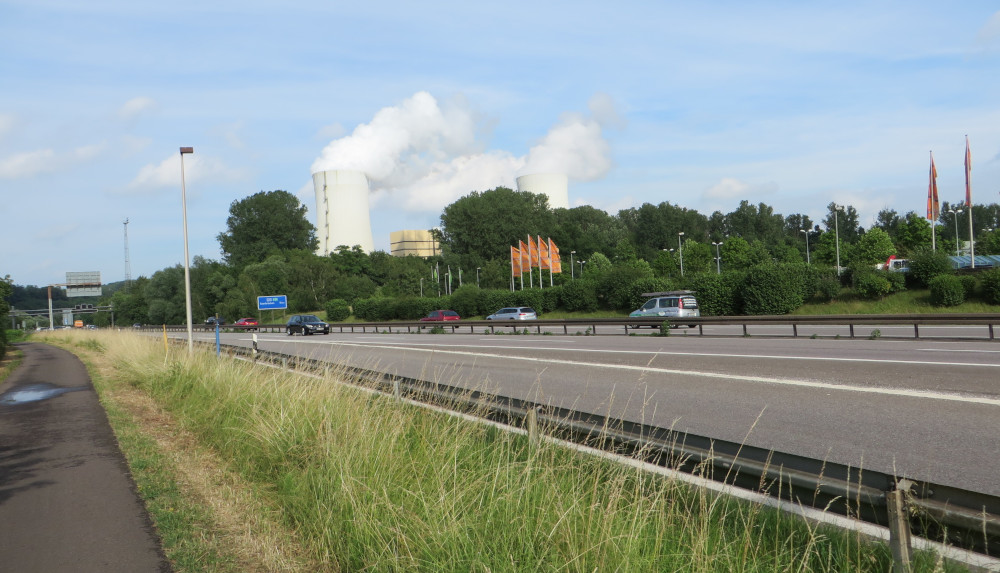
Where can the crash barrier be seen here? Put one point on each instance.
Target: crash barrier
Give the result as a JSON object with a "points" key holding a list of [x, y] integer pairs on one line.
{"points": [[980, 326], [953, 516]]}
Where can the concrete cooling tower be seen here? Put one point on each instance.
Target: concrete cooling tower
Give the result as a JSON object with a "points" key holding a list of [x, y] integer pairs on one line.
{"points": [[342, 210], [555, 185]]}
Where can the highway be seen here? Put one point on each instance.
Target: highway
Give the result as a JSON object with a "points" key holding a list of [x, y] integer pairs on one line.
{"points": [[929, 410]]}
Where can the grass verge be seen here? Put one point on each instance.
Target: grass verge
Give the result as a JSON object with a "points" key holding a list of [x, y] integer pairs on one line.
{"points": [[345, 480]]}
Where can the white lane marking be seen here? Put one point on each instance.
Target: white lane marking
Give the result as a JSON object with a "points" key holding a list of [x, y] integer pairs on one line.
{"points": [[959, 350], [925, 394], [671, 353]]}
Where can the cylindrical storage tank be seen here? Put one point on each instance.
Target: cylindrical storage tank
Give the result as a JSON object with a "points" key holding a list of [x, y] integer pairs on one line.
{"points": [[342, 210], [555, 185]]}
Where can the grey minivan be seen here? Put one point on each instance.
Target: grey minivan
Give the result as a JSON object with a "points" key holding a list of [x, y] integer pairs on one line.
{"points": [[673, 304]]}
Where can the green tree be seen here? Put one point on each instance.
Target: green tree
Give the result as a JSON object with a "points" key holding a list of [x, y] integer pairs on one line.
{"points": [[844, 222], [586, 230], [912, 233], [6, 290], [166, 297], [487, 224], [263, 224], [874, 247], [756, 222]]}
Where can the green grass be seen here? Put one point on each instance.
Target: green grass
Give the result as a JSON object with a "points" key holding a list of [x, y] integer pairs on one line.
{"points": [[370, 484], [905, 302]]}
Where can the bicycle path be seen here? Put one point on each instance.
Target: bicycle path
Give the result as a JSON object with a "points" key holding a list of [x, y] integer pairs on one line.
{"points": [[67, 499]]}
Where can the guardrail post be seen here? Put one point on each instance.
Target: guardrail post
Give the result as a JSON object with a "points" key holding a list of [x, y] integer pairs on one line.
{"points": [[532, 420], [899, 529], [396, 393], [795, 330], [701, 330], [744, 329], [991, 332], [916, 331], [851, 327], [253, 347]]}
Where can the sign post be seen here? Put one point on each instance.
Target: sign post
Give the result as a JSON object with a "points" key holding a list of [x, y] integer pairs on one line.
{"points": [[272, 302]]}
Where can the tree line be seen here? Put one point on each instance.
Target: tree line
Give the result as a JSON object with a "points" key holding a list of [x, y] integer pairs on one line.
{"points": [[269, 247]]}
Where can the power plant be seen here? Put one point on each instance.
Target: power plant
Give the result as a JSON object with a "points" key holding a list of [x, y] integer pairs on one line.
{"points": [[343, 216], [555, 185], [342, 213]]}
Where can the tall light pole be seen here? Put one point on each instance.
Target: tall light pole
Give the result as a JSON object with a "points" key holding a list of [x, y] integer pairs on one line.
{"points": [[572, 269], [187, 267], [807, 244], [680, 250], [477, 276], [836, 232], [955, 213], [718, 258], [581, 267]]}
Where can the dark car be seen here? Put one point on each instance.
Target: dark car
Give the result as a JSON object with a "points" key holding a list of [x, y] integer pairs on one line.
{"points": [[213, 321], [306, 324], [440, 316], [247, 323]]}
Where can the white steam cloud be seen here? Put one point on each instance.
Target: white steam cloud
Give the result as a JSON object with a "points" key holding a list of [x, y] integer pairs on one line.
{"points": [[428, 154]]}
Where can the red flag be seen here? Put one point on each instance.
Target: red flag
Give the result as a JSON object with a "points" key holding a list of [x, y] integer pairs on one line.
{"points": [[933, 208], [968, 174]]}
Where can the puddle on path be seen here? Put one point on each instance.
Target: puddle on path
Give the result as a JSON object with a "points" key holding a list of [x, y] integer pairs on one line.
{"points": [[34, 393]]}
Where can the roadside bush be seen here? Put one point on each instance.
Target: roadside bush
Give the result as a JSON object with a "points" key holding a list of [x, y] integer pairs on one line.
{"points": [[532, 297], [632, 295], [550, 298], [771, 289], [337, 310], [373, 309], [946, 290], [968, 285], [872, 285], [926, 264], [828, 288], [614, 288], [718, 295], [897, 281], [492, 300], [991, 286], [465, 301], [579, 296]]}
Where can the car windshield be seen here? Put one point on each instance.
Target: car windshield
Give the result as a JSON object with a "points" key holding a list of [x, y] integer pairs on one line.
{"points": [[310, 318]]}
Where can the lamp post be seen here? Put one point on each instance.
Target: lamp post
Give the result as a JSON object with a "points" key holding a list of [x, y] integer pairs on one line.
{"points": [[572, 269], [718, 258], [581, 267], [187, 267], [477, 276], [807, 244], [680, 250], [421, 287], [955, 213], [836, 232]]}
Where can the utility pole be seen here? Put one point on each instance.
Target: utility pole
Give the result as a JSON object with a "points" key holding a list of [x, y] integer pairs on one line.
{"points": [[128, 265]]}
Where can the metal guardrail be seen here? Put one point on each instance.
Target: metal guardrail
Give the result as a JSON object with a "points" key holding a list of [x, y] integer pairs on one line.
{"points": [[574, 325], [958, 517]]}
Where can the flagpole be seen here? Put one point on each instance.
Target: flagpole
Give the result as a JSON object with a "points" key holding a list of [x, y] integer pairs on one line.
{"points": [[968, 199], [932, 213], [531, 278], [550, 261]]}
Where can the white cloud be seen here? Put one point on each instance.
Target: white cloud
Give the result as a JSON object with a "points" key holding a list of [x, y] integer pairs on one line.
{"points": [[6, 124], [135, 107], [730, 188], [27, 164], [167, 173]]}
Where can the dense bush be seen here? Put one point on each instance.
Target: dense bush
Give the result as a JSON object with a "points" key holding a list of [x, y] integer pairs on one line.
{"points": [[991, 286], [828, 288], [968, 285], [337, 310], [718, 295], [632, 296], [579, 296], [492, 300], [926, 264], [897, 281], [771, 289], [872, 285], [614, 288], [550, 299], [465, 301], [946, 290]]}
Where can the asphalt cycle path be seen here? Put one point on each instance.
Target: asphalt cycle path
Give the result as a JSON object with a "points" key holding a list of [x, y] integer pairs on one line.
{"points": [[67, 500]]}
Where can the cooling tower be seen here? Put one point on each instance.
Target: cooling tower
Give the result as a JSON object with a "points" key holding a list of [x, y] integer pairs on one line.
{"points": [[342, 210], [555, 185]]}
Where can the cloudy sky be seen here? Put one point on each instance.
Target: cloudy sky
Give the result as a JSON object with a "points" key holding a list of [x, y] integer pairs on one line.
{"points": [[702, 104]]}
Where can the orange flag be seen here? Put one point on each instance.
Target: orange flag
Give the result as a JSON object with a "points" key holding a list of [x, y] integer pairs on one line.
{"points": [[933, 208], [532, 252], [515, 261], [543, 254], [525, 258], [555, 263]]}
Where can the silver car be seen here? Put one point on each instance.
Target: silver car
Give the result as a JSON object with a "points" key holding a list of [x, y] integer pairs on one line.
{"points": [[514, 313], [674, 304]]}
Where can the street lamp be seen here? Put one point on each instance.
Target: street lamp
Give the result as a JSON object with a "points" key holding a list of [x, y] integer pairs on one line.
{"points": [[718, 258], [421, 287], [680, 250], [581, 267], [572, 269], [836, 233], [477, 276], [807, 244], [187, 267], [955, 213]]}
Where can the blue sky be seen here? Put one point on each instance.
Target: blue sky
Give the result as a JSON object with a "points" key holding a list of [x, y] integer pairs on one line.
{"points": [[701, 104]]}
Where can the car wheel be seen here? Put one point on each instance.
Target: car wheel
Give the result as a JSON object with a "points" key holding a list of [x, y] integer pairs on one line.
{"points": [[288, 330]]}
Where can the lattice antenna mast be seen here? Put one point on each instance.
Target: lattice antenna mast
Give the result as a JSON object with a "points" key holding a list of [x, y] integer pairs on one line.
{"points": [[128, 265]]}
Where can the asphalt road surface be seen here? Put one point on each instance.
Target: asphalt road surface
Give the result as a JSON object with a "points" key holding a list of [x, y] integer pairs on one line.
{"points": [[67, 501], [929, 410]]}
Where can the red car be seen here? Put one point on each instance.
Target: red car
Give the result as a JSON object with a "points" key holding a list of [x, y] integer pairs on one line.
{"points": [[247, 323], [441, 316]]}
